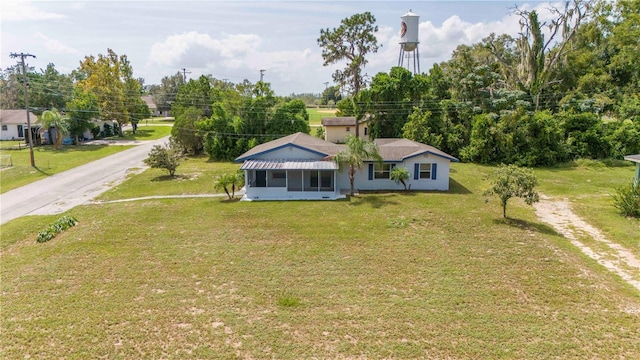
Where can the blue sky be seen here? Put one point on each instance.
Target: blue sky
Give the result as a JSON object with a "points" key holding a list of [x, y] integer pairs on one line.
{"points": [[235, 39]]}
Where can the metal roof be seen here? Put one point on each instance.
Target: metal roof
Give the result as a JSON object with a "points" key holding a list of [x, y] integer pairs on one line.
{"points": [[284, 164], [634, 158]]}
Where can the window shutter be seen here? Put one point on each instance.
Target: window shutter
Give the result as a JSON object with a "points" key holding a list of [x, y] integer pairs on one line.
{"points": [[416, 171], [434, 171], [370, 171]]}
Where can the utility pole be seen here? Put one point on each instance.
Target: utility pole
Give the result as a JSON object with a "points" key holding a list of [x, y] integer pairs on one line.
{"points": [[184, 74], [26, 102], [262, 74], [326, 96]]}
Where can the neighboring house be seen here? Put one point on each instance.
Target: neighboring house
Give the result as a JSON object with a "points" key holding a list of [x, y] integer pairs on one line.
{"points": [[300, 167], [635, 159], [148, 99], [13, 124], [336, 129]]}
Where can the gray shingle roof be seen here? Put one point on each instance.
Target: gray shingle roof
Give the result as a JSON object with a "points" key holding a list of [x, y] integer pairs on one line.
{"points": [[16, 117], [298, 139], [339, 121], [390, 149]]}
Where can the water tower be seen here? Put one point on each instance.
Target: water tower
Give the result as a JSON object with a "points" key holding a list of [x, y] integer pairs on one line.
{"points": [[409, 41]]}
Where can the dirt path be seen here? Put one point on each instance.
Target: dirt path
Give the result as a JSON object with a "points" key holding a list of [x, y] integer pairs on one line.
{"points": [[588, 239]]}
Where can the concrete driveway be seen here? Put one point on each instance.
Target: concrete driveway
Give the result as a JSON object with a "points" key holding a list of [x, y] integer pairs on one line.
{"points": [[61, 192]]}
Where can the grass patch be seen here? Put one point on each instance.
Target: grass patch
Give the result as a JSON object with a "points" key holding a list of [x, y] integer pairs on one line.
{"points": [[49, 162], [195, 175], [589, 187], [316, 115], [157, 121], [426, 275], [145, 132]]}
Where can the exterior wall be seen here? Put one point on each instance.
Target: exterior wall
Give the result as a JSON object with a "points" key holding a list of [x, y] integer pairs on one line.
{"points": [[281, 192], [12, 132], [254, 193], [289, 152], [362, 182], [338, 134]]}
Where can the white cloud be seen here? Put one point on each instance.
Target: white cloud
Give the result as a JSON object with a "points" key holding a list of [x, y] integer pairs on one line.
{"points": [[437, 43], [201, 49], [55, 46], [21, 10], [235, 57]]}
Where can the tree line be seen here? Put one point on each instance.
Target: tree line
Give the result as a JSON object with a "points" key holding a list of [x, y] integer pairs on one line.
{"points": [[103, 87], [559, 91]]}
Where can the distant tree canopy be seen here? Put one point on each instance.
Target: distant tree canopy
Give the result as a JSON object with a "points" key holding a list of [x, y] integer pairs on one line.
{"points": [[110, 79], [224, 120], [564, 89]]}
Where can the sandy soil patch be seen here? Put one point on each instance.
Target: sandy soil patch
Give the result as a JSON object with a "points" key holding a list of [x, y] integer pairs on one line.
{"points": [[615, 257]]}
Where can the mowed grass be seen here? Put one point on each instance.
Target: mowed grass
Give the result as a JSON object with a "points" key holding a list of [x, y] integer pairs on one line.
{"points": [[402, 275], [588, 185], [49, 161], [146, 132], [195, 175], [316, 115]]}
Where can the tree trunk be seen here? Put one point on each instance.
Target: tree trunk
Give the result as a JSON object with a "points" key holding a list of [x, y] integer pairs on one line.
{"points": [[351, 178]]}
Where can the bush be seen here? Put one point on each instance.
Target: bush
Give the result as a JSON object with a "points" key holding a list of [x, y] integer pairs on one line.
{"points": [[164, 157], [57, 227], [627, 199]]}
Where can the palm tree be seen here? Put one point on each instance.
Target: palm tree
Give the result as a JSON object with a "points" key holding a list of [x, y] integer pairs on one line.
{"points": [[358, 151], [53, 119], [400, 175], [226, 181]]}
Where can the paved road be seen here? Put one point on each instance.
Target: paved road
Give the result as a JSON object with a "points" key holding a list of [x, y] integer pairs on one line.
{"points": [[61, 192]]}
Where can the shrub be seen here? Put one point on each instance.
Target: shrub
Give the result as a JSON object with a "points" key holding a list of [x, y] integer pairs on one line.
{"points": [[57, 227], [164, 157], [627, 199]]}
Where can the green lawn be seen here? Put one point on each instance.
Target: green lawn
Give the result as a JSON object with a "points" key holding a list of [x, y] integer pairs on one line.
{"points": [[589, 185], [401, 275], [146, 132], [49, 161], [157, 121], [316, 115]]}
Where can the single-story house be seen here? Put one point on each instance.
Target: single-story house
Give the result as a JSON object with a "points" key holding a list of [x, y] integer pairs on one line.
{"points": [[13, 124], [336, 129], [635, 159], [300, 167], [148, 99]]}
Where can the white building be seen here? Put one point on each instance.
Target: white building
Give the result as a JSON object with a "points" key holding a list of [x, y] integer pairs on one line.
{"points": [[300, 167]]}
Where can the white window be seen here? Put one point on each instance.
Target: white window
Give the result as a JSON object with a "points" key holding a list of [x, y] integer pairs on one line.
{"points": [[4, 127], [381, 171], [425, 171]]}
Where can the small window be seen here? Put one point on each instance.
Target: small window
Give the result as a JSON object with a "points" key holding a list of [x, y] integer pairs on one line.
{"points": [[381, 171], [425, 171], [348, 129], [366, 131], [4, 127], [279, 174]]}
